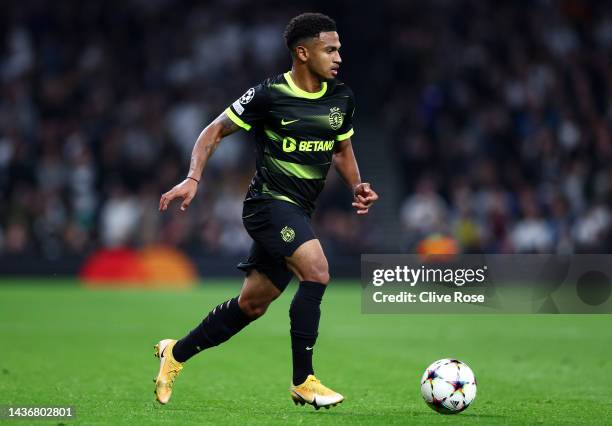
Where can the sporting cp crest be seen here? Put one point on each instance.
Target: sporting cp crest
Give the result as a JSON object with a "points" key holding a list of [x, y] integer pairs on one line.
{"points": [[287, 234], [335, 118]]}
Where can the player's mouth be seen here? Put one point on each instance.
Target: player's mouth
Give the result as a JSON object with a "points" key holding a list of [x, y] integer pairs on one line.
{"points": [[334, 71]]}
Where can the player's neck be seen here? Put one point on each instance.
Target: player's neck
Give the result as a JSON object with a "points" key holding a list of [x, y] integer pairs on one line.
{"points": [[305, 80]]}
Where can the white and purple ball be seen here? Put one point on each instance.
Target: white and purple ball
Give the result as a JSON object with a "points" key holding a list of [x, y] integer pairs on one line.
{"points": [[448, 386]]}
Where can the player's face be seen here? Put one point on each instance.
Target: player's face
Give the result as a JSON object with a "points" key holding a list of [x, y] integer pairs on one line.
{"points": [[324, 56]]}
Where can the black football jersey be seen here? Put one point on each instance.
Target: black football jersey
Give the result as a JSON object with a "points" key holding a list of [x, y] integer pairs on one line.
{"points": [[295, 133]]}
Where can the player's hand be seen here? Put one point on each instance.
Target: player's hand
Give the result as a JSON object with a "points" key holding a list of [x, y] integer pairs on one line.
{"points": [[186, 190], [364, 197]]}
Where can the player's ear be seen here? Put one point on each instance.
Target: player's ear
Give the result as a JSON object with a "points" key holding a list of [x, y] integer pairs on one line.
{"points": [[301, 52]]}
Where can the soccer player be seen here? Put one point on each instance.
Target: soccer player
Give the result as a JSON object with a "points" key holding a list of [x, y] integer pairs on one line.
{"points": [[302, 123]]}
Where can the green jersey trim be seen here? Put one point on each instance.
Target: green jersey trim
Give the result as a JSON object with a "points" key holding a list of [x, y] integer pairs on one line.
{"points": [[302, 93], [301, 171], [345, 136], [237, 121], [276, 195], [272, 135]]}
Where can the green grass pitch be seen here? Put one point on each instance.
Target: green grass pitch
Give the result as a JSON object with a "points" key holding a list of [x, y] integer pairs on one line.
{"points": [[93, 350]]}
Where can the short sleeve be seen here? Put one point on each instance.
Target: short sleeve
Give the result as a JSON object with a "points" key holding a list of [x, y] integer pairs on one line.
{"points": [[346, 130], [249, 109]]}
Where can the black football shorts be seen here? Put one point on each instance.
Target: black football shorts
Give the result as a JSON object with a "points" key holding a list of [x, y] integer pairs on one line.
{"points": [[277, 228]]}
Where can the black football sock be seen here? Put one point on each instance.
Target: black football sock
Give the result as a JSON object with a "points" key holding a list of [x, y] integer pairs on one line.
{"points": [[305, 312], [219, 325]]}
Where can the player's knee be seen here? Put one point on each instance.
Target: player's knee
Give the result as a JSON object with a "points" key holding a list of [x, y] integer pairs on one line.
{"points": [[321, 277], [251, 308], [257, 311], [317, 272]]}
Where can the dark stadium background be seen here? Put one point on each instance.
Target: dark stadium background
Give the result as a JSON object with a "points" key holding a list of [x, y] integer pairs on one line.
{"points": [[487, 123]]}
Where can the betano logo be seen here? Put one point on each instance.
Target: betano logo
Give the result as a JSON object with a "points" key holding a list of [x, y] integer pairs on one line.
{"points": [[290, 145]]}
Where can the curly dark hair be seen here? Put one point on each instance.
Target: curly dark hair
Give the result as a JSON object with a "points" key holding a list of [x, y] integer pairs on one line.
{"points": [[307, 25]]}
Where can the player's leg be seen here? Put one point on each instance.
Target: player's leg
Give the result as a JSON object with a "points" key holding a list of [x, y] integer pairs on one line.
{"points": [[224, 321], [229, 317], [309, 264], [283, 232]]}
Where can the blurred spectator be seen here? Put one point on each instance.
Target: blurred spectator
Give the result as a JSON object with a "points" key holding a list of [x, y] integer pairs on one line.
{"points": [[424, 212], [119, 218], [531, 233]]}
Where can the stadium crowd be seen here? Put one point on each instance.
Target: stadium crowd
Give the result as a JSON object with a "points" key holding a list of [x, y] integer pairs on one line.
{"points": [[498, 113], [100, 105], [501, 113]]}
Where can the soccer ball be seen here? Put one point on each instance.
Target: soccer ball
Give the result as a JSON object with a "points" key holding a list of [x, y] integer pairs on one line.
{"points": [[448, 386]]}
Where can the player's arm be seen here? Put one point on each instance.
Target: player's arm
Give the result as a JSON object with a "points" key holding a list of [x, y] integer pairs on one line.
{"points": [[204, 147], [346, 165]]}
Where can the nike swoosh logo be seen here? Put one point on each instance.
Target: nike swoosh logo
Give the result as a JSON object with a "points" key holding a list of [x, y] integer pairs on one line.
{"points": [[308, 348], [284, 123]]}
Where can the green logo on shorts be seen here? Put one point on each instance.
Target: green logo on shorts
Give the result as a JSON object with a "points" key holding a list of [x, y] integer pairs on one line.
{"points": [[287, 234]]}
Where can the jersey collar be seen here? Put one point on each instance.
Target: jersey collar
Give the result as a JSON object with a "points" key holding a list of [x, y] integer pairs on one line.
{"points": [[302, 93]]}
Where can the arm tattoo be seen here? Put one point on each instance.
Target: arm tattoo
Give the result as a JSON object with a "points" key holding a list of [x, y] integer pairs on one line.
{"points": [[227, 126], [209, 149]]}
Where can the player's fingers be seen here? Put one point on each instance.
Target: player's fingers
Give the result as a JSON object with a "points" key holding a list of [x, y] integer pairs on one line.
{"points": [[370, 199], [361, 199], [163, 202], [186, 203], [359, 205], [362, 211], [372, 194], [167, 198]]}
